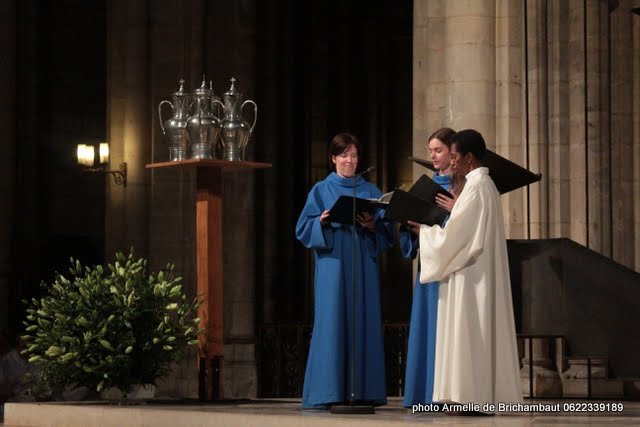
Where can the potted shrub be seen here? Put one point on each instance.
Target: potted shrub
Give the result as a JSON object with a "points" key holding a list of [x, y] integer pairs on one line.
{"points": [[118, 326]]}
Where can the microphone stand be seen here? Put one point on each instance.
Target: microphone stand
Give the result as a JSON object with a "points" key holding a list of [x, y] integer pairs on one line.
{"points": [[352, 408]]}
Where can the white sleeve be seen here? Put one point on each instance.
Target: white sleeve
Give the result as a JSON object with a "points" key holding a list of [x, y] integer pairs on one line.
{"points": [[446, 250]]}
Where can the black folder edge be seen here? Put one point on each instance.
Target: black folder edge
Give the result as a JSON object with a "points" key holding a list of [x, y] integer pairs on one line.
{"points": [[499, 169], [433, 188], [342, 210], [423, 162], [503, 167], [400, 211]]}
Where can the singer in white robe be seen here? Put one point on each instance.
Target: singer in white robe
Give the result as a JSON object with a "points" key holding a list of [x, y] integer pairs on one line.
{"points": [[476, 357]]}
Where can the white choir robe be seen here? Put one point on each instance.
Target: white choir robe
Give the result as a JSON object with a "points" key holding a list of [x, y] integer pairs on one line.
{"points": [[476, 354]]}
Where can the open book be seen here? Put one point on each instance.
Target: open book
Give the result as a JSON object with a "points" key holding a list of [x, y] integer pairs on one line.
{"points": [[342, 209], [405, 206], [382, 200], [418, 204]]}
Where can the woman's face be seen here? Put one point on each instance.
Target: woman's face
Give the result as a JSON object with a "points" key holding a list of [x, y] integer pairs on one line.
{"points": [[346, 162], [460, 165], [440, 154]]}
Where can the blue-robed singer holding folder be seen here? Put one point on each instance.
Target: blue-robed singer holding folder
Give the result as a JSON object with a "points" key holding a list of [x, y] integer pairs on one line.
{"points": [[327, 378], [424, 308]]}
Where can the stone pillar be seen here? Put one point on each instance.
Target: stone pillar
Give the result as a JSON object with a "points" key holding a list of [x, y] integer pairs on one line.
{"points": [[510, 123], [7, 153], [231, 51], [546, 379], [430, 109], [468, 74], [583, 128], [536, 105], [558, 29], [128, 126], [470, 66], [453, 69], [598, 150], [176, 46], [623, 138], [151, 47], [575, 172]]}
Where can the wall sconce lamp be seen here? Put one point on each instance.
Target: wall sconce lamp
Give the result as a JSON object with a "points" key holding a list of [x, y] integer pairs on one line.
{"points": [[86, 158]]}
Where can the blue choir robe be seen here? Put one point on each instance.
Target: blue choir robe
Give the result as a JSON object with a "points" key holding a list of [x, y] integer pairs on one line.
{"points": [[328, 377], [419, 373]]}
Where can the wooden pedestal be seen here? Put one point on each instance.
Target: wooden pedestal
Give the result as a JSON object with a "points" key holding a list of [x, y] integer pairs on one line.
{"points": [[209, 265]]}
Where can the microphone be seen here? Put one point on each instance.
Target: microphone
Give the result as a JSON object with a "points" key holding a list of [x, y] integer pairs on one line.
{"points": [[366, 171]]}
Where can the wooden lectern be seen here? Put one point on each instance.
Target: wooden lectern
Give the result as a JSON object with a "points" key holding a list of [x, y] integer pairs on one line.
{"points": [[209, 265]]}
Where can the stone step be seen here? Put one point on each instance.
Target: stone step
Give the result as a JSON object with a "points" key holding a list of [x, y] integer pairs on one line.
{"points": [[600, 388]]}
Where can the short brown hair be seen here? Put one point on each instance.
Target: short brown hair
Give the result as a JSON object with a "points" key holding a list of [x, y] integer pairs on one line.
{"points": [[341, 143]]}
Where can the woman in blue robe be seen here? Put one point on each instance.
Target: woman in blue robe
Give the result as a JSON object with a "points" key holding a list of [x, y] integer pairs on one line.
{"points": [[328, 374], [424, 309]]}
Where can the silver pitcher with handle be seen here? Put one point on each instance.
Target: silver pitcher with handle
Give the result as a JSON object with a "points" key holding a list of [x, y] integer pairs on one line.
{"points": [[235, 131], [203, 126], [175, 129]]}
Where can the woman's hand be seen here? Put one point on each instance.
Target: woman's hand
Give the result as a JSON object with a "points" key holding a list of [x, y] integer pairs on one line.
{"points": [[413, 227], [445, 202], [324, 218], [367, 221]]}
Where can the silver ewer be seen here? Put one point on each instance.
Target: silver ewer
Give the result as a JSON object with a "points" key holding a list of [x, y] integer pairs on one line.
{"points": [[175, 129], [203, 126], [235, 131]]}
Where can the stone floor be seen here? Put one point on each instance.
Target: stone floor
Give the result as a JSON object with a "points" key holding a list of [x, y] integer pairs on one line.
{"points": [[286, 412]]}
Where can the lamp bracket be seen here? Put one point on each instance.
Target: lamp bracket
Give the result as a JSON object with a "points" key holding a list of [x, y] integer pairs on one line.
{"points": [[119, 175]]}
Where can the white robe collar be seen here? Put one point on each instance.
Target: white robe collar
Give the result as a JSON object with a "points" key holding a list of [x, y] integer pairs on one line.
{"points": [[477, 172]]}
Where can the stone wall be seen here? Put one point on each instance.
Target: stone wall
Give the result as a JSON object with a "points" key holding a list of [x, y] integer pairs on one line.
{"points": [[151, 47], [550, 87], [51, 102]]}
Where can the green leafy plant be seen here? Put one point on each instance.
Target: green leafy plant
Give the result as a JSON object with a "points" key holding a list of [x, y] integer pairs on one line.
{"points": [[117, 326]]}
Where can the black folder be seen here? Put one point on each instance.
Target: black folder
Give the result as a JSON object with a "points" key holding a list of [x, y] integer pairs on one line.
{"points": [[342, 209], [427, 189], [405, 206], [507, 175], [423, 162]]}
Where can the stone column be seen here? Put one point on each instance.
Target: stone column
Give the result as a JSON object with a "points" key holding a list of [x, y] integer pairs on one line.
{"points": [[470, 66], [559, 134], [536, 104], [510, 139], [176, 51], [7, 153], [151, 47], [231, 51], [623, 138], [453, 69], [430, 110], [546, 379], [128, 126], [598, 150], [575, 171]]}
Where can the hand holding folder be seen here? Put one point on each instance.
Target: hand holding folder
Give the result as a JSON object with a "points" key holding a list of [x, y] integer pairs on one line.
{"points": [[342, 210], [405, 207], [418, 204]]}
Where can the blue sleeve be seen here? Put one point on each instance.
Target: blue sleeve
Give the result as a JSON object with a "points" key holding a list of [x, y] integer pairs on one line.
{"points": [[409, 243], [384, 236], [308, 229]]}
